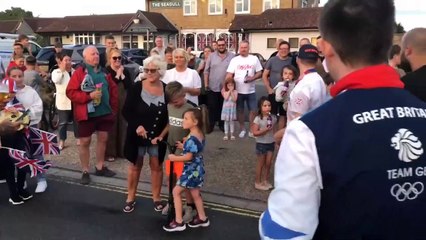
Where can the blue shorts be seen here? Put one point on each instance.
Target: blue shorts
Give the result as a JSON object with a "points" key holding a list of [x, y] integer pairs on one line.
{"points": [[249, 99], [152, 151], [263, 148]]}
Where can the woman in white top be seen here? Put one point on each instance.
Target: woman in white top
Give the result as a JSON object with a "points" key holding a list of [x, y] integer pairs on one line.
{"points": [[189, 78], [61, 77]]}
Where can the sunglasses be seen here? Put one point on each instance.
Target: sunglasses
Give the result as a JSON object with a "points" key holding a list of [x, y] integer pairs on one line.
{"points": [[150, 70], [116, 58]]}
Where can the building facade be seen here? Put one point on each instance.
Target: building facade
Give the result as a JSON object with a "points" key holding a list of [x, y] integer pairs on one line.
{"points": [[130, 30], [291, 25], [201, 22]]}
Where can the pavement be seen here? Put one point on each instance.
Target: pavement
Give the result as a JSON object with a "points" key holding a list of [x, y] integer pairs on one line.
{"points": [[68, 210], [230, 171]]}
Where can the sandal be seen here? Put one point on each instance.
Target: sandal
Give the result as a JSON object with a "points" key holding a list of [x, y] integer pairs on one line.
{"points": [[129, 207], [159, 205]]}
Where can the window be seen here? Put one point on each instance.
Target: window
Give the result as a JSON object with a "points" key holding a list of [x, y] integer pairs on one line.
{"points": [[314, 41], [270, 4], [242, 6], [85, 39], [215, 7], [270, 42], [129, 43], [189, 7], [294, 42]]}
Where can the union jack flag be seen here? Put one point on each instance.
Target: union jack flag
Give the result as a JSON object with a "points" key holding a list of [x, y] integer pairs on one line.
{"points": [[32, 166], [43, 142], [15, 104]]}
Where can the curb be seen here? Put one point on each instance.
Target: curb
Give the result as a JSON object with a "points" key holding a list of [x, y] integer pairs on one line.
{"points": [[214, 201]]}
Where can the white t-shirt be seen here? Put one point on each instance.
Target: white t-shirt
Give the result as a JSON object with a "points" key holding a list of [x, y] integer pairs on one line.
{"points": [[189, 78], [239, 66], [309, 93]]}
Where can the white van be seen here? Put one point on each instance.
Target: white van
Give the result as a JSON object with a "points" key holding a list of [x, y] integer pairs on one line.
{"points": [[6, 50]]}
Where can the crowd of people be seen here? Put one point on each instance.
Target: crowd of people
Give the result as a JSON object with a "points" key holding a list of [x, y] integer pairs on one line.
{"points": [[324, 154]]}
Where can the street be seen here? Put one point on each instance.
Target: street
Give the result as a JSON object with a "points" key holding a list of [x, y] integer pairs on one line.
{"points": [[68, 210]]}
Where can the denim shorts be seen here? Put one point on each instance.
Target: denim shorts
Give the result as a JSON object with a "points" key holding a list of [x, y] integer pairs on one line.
{"points": [[249, 99], [152, 151], [263, 148]]}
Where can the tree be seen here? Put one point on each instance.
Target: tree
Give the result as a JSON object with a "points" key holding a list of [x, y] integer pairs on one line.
{"points": [[399, 28], [15, 14]]}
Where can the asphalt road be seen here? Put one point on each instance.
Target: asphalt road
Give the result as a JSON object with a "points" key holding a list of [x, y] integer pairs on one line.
{"points": [[68, 210]]}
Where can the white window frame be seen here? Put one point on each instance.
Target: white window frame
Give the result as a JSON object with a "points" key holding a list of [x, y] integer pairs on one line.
{"points": [[189, 3], [271, 2], [216, 3], [242, 10]]}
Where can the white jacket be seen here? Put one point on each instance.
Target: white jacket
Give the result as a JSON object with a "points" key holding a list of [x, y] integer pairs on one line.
{"points": [[61, 79], [28, 97]]}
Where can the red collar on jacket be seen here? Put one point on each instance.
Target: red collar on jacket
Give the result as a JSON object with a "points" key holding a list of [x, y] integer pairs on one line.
{"points": [[377, 76]]}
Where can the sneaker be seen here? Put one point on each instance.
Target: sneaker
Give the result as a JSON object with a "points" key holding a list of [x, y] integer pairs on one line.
{"points": [[85, 178], [261, 187], [251, 135], [232, 137], [174, 226], [189, 214], [105, 172], [25, 195], [41, 186], [16, 200], [242, 134], [197, 222], [225, 138], [165, 210], [129, 207]]}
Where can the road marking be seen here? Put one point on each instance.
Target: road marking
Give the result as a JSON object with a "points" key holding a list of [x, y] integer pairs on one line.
{"points": [[146, 194]]}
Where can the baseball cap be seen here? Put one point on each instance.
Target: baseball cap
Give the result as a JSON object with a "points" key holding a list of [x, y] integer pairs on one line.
{"points": [[308, 51]]}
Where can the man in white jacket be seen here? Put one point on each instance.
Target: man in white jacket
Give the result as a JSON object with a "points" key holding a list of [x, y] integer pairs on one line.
{"points": [[353, 168]]}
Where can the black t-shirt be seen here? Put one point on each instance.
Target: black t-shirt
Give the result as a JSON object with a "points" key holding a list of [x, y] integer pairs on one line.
{"points": [[415, 82]]}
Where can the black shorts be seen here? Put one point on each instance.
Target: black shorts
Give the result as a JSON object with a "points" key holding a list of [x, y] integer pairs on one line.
{"points": [[276, 107]]}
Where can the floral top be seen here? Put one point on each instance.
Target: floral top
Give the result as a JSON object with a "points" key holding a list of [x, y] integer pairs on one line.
{"points": [[193, 171]]}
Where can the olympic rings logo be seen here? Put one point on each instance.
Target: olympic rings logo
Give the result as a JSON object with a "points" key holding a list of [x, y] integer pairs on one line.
{"points": [[407, 191]]}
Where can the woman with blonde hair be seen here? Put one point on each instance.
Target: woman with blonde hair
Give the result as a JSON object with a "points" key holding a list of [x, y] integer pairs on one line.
{"points": [[145, 110], [189, 78], [121, 77]]}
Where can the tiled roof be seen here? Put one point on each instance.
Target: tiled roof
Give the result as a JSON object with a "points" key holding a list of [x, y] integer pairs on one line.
{"points": [[278, 19], [97, 23], [9, 26]]}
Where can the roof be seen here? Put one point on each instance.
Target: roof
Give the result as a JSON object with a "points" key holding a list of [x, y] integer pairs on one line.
{"points": [[97, 23], [278, 19], [39, 23], [9, 26]]}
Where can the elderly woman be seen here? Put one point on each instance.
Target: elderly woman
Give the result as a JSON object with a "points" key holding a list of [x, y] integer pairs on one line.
{"points": [[121, 77], [189, 78], [145, 110]]}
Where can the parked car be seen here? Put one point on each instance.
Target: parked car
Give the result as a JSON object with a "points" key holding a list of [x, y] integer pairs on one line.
{"points": [[76, 53], [6, 49], [136, 54]]}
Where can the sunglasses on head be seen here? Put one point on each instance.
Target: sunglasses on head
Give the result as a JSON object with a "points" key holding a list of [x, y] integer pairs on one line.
{"points": [[150, 70], [116, 58]]}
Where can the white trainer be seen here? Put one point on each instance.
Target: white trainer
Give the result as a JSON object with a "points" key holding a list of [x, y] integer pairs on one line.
{"points": [[41, 186], [242, 134]]}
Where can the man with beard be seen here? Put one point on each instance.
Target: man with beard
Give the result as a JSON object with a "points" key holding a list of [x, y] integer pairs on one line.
{"points": [[414, 51], [214, 75]]}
